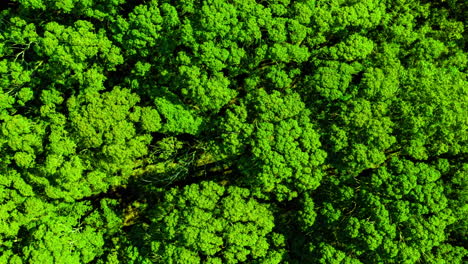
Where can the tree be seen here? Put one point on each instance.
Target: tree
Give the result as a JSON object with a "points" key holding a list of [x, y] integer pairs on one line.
{"points": [[284, 154], [235, 131], [209, 223]]}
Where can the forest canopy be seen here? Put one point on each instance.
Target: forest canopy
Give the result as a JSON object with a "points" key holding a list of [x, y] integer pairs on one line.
{"points": [[233, 131]]}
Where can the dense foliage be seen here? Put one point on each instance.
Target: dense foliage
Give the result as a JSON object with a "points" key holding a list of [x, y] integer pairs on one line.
{"points": [[233, 131]]}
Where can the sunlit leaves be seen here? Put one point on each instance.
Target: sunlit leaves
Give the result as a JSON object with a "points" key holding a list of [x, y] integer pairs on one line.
{"points": [[214, 223]]}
